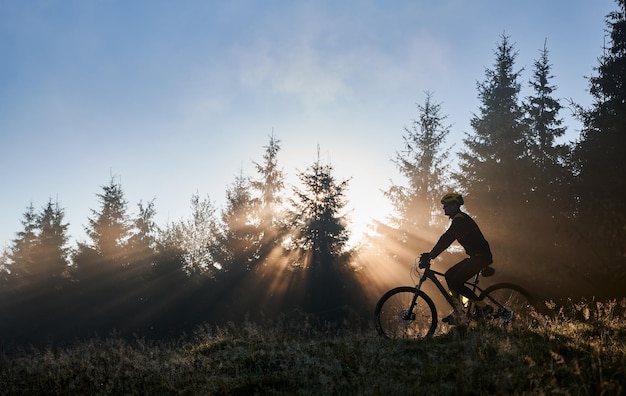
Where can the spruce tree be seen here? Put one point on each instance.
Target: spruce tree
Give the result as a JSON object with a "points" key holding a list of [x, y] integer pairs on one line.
{"points": [[196, 238], [22, 251], [144, 232], [239, 237], [5, 262], [423, 164], [545, 126], [318, 215], [109, 228], [601, 152], [320, 236], [40, 250], [52, 254], [267, 199], [494, 170]]}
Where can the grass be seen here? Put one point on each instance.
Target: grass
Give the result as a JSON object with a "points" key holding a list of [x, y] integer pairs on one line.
{"points": [[576, 350]]}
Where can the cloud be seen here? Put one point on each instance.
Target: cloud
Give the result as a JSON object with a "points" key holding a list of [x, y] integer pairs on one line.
{"points": [[298, 71], [321, 76]]}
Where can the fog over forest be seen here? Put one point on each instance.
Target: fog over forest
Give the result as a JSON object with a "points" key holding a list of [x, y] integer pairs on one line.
{"points": [[554, 214]]}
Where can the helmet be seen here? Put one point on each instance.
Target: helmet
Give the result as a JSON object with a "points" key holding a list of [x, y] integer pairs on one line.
{"points": [[452, 198]]}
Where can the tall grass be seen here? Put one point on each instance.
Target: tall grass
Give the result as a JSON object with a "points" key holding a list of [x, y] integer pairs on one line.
{"points": [[579, 349]]}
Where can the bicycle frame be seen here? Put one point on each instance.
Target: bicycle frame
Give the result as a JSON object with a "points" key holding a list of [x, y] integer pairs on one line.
{"points": [[432, 275], [409, 311]]}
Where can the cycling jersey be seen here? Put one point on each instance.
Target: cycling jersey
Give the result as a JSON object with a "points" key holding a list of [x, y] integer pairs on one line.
{"points": [[465, 230]]}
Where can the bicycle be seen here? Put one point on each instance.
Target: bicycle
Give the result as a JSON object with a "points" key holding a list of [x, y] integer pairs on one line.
{"points": [[408, 312]]}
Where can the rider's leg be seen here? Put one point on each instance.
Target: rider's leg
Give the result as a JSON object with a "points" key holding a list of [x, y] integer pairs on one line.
{"points": [[456, 300], [458, 274], [456, 278], [456, 317]]}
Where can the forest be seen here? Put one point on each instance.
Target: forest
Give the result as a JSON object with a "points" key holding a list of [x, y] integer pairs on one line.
{"points": [[554, 214]]}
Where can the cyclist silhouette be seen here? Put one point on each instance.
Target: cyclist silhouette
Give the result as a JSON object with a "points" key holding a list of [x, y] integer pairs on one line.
{"points": [[464, 230]]}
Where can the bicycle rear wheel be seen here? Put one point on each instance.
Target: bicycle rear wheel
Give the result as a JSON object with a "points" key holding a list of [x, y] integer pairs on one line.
{"points": [[394, 317], [512, 304]]}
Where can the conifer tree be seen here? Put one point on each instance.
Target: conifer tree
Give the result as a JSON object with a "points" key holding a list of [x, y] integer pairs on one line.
{"points": [[494, 165], [267, 198], [52, 253], [545, 126], [144, 233], [239, 237], [109, 228], [320, 235], [22, 251], [196, 238], [422, 163], [318, 217], [142, 249], [4, 268], [40, 250], [601, 152]]}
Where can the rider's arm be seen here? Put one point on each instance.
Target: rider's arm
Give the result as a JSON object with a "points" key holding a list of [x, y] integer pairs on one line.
{"points": [[445, 240]]}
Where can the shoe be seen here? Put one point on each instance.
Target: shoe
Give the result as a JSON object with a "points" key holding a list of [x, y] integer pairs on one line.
{"points": [[483, 312]]}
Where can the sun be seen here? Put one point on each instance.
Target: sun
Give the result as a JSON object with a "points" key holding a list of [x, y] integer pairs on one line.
{"points": [[364, 208]]}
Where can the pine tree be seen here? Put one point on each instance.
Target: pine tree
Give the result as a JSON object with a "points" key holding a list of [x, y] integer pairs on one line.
{"points": [[545, 126], [40, 250], [318, 216], [52, 253], [268, 198], [423, 164], [5, 272], [494, 165], [142, 245], [145, 229], [601, 152], [327, 284], [239, 237], [196, 238], [22, 251], [109, 228]]}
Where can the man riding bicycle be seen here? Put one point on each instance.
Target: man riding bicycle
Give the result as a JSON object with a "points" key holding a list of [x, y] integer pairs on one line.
{"points": [[464, 230]]}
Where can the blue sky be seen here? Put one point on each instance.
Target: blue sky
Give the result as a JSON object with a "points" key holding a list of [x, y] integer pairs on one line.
{"points": [[176, 98]]}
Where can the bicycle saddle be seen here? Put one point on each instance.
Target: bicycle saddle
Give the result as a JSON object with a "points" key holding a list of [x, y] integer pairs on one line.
{"points": [[487, 271]]}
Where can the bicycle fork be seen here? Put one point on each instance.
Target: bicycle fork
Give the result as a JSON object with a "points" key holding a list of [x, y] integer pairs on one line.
{"points": [[410, 315]]}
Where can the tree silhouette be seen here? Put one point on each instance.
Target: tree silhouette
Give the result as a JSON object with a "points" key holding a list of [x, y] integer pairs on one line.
{"points": [[318, 219], [40, 253], [145, 232], [320, 234], [197, 238], [545, 126], [423, 164], [267, 202], [239, 237], [109, 228], [21, 255], [494, 164], [52, 254], [600, 154]]}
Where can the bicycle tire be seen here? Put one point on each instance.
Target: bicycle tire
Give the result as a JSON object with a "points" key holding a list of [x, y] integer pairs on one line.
{"points": [[393, 320], [513, 305]]}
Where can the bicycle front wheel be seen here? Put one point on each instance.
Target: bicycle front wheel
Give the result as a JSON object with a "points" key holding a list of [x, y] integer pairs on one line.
{"points": [[405, 312], [512, 304]]}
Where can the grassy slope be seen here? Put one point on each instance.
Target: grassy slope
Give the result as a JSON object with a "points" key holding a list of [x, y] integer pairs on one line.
{"points": [[558, 355]]}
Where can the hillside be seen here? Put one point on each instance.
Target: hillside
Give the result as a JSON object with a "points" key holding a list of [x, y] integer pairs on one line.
{"points": [[577, 350]]}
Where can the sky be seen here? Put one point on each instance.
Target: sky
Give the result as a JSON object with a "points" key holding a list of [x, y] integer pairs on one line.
{"points": [[179, 98]]}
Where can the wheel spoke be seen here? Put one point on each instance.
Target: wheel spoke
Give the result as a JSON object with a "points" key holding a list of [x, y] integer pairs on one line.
{"points": [[512, 304], [396, 319]]}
